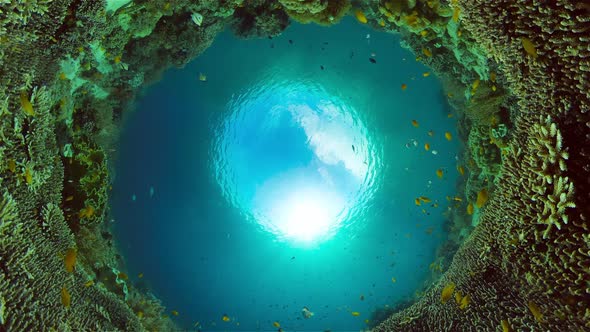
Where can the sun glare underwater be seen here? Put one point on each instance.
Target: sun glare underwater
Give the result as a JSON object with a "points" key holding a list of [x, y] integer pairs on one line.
{"points": [[269, 177]]}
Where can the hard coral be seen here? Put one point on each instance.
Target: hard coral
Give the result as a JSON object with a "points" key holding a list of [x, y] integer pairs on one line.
{"points": [[323, 12]]}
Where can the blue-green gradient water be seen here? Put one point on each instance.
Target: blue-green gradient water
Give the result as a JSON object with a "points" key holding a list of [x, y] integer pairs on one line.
{"points": [[286, 179]]}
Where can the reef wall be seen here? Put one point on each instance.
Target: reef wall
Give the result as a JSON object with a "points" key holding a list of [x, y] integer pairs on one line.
{"points": [[516, 73]]}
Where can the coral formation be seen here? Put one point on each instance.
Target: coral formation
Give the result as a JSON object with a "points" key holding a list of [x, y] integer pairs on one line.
{"points": [[516, 74]]}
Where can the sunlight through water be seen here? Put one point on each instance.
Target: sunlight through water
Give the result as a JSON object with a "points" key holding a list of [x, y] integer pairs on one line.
{"points": [[295, 159]]}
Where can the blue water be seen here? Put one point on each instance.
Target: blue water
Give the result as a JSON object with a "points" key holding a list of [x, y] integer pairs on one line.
{"points": [[203, 238]]}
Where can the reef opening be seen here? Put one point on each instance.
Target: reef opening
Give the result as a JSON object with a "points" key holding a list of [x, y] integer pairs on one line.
{"points": [[306, 157]]}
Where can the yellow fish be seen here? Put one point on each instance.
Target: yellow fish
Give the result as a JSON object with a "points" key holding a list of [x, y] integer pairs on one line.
{"points": [[404, 87], [482, 198], [456, 12], [174, 313], [505, 326], [415, 123], [382, 23], [12, 165], [461, 170], [536, 311], [427, 52], [465, 302], [28, 176], [448, 136], [417, 202], [427, 147], [225, 318], [426, 74], [529, 47], [89, 283], [425, 199], [360, 16], [70, 260], [355, 313], [140, 314], [26, 104], [276, 324], [66, 299], [439, 173], [470, 209], [447, 292]]}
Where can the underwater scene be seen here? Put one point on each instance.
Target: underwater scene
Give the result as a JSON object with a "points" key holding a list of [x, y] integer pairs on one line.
{"points": [[294, 165]]}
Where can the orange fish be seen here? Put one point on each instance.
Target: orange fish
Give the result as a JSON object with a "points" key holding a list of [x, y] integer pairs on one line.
{"points": [[439, 173], [415, 123], [122, 275], [427, 147], [174, 313], [404, 87], [70, 260], [448, 136]]}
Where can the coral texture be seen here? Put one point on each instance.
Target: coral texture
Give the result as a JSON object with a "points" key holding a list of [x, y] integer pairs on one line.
{"points": [[525, 266]]}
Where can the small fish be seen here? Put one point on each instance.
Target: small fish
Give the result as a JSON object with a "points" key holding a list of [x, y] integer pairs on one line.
{"points": [[276, 324], [70, 260], [66, 299], [353, 148], [536, 311], [151, 191], [417, 202], [321, 67], [89, 283], [460, 169], [382, 23], [447, 292], [448, 136], [482, 198], [457, 198], [430, 133], [424, 33], [393, 280], [133, 197], [26, 104], [362, 297], [202, 77], [529, 47], [291, 41], [470, 209], [426, 146], [372, 60], [439, 173], [425, 199], [456, 12], [427, 52], [174, 313], [360, 16], [12, 165], [355, 313], [122, 276], [426, 74], [140, 275], [505, 326], [140, 314], [69, 198], [415, 123], [225, 318], [434, 152], [465, 302], [404, 87], [28, 176]]}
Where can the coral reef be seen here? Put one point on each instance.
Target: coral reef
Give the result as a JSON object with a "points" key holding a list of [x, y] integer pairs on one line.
{"points": [[516, 74], [525, 264]]}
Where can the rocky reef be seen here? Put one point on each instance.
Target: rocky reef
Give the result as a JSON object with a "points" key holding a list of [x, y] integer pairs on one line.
{"points": [[516, 74]]}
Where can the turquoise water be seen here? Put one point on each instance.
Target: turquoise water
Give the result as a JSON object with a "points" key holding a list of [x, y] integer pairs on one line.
{"points": [[276, 184]]}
